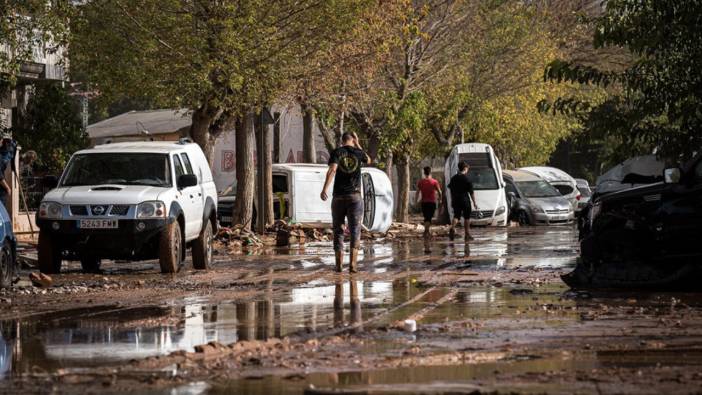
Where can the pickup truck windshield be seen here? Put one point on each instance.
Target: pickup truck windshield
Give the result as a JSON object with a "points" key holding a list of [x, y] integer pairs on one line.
{"points": [[537, 189], [118, 168]]}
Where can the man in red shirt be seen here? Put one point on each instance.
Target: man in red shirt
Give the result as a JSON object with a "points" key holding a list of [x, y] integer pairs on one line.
{"points": [[428, 190]]}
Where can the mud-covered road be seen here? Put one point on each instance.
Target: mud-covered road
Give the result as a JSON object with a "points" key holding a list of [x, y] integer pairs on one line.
{"points": [[491, 317]]}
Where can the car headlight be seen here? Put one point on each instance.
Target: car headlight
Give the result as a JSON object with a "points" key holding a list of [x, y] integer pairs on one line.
{"points": [[500, 210], [50, 210], [151, 209], [537, 209]]}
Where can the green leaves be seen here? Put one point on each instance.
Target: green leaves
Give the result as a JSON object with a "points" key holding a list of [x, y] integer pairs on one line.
{"points": [[661, 90]]}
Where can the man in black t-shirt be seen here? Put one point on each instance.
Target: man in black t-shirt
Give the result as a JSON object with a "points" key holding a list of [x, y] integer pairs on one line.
{"points": [[462, 197], [345, 168]]}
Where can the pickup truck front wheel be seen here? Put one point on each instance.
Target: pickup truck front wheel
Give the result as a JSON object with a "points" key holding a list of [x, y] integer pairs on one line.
{"points": [[49, 254], [170, 248], [202, 248]]}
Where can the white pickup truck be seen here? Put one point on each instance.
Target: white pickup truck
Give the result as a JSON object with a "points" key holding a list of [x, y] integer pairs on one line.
{"points": [[130, 201]]}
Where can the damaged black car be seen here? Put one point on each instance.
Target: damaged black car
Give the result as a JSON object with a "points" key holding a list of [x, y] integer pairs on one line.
{"points": [[645, 237]]}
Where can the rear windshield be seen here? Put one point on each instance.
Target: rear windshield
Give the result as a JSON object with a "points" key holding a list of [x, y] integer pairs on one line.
{"points": [[564, 189], [118, 168], [537, 189]]}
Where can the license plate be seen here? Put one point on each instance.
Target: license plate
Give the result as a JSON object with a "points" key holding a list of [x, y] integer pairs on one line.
{"points": [[98, 224]]}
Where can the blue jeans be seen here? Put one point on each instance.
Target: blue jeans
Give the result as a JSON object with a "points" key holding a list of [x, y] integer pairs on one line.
{"points": [[343, 207]]}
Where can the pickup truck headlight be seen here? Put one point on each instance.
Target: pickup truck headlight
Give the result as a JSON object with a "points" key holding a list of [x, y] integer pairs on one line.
{"points": [[151, 209], [500, 210], [50, 210]]}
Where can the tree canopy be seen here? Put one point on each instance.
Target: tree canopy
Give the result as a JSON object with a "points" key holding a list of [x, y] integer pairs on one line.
{"points": [[656, 101]]}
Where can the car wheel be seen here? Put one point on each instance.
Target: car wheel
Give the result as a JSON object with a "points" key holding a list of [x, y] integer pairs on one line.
{"points": [[523, 218], [7, 265], [49, 254], [170, 248], [90, 264], [202, 248]]}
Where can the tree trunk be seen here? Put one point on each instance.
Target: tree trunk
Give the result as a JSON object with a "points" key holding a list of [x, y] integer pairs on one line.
{"points": [[264, 139], [373, 146], [309, 151], [389, 165], [245, 170], [200, 131], [403, 188]]}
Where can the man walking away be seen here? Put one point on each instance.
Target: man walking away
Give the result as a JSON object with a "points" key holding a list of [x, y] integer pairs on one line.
{"points": [[427, 190], [462, 197], [345, 168]]}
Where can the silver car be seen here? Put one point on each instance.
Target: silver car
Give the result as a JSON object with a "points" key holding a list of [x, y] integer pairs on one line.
{"points": [[585, 193], [562, 181], [533, 201]]}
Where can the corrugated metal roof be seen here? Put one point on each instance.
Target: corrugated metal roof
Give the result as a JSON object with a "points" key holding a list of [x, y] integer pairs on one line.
{"points": [[135, 122]]}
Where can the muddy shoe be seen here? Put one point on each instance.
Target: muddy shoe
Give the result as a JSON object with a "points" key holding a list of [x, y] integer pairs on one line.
{"points": [[452, 234], [353, 263], [339, 258]]}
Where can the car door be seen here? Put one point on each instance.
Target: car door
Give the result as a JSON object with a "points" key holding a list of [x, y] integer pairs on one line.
{"points": [[198, 194], [186, 197]]}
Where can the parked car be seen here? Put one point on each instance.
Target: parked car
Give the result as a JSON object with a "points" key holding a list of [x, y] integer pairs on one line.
{"points": [[633, 172], [648, 236], [130, 201], [560, 180], [296, 190], [8, 250], [486, 175], [585, 193], [533, 201]]}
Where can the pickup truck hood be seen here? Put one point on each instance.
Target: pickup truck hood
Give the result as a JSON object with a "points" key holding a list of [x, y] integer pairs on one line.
{"points": [[643, 190], [104, 194]]}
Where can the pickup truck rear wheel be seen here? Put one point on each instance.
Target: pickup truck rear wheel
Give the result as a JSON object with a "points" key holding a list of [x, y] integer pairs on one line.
{"points": [[90, 264], [170, 248], [202, 248], [49, 254]]}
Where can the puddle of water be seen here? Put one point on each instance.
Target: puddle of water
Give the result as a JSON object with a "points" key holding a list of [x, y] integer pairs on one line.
{"points": [[420, 378], [108, 335], [458, 378]]}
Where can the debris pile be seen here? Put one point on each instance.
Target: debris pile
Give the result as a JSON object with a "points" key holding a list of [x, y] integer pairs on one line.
{"points": [[287, 234], [236, 237]]}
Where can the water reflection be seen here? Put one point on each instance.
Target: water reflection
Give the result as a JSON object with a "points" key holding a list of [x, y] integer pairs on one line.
{"points": [[106, 335]]}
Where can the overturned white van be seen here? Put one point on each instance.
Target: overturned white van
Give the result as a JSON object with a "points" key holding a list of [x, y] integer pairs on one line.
{"points": [[486, 175], [296, 189]]}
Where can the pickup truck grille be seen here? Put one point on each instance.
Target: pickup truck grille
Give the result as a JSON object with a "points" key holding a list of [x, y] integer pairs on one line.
{"points": [[104, 209], [79, 210], [119, 209]]}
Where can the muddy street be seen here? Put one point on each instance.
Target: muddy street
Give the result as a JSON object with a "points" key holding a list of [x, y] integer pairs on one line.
{"points": [[490, 316]]}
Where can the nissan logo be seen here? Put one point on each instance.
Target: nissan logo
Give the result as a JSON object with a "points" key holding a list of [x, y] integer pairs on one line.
{"points": [[98, 210]]}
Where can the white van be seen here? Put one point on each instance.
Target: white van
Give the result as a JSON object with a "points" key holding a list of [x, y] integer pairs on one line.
{"points": [[486, 175], [296, 189]]}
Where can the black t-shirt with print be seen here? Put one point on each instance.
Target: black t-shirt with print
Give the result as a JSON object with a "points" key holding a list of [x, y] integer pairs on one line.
{"points": [[348, 172], [460, 187]]}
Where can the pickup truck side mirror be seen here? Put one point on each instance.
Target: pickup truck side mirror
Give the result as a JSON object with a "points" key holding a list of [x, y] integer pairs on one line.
{"points": [[672, 175], [49, 182], [187, 180]]}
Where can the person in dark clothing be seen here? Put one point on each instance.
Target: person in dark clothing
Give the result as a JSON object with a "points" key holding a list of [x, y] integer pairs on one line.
{"points": [[8, 149], [462, 198], [428, 189], [345, 168]]}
